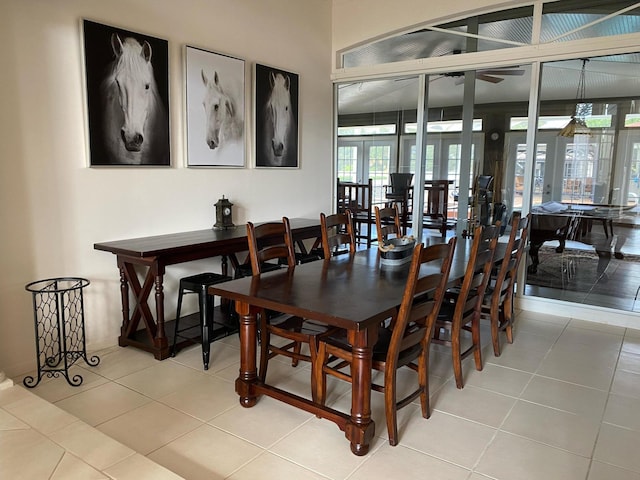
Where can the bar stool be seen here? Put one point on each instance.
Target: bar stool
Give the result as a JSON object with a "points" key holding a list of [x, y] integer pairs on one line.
{"points": [[198, 284]]}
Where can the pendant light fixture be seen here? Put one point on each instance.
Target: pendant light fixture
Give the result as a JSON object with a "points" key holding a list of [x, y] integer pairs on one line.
{"points": [[577, 124]]}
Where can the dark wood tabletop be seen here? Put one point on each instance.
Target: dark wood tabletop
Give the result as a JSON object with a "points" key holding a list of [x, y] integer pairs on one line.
{"points": [[179, 247]]}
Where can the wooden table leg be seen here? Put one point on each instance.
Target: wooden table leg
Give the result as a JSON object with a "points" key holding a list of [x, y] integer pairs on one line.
{"points": [[157, 341], [360, 429], [248, 339]]}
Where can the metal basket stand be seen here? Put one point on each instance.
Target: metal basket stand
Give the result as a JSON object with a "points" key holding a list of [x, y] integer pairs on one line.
{"points": [[58, 313]]}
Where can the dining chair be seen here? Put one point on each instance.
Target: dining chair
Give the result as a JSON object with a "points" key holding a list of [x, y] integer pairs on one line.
{"points": [[387, 223], [463, 304], [268, 242], [436, 206], [404, 343], [358, 199], [338, 234], [399, 193], [497, 305]]}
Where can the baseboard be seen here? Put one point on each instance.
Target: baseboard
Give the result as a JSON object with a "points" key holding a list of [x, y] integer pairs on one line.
{"points": [[588, 313]]}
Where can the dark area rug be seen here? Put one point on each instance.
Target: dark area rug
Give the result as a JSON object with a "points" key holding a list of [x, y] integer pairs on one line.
{"points": [[584, 271]]}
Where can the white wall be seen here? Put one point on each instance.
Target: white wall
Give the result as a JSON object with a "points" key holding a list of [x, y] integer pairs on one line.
{"points": [[53, 208]]}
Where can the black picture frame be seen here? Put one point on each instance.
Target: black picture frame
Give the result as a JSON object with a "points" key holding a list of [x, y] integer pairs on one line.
{"points": [[276, 89], [141, 64]]}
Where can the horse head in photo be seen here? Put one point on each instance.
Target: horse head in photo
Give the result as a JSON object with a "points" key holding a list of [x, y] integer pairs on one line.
{"points": [[279, 120], [133, 110], [222, 120]]}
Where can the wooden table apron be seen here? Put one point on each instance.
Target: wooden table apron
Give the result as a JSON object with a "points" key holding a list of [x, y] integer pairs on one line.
{"points": [[154, 254], [355, 294]]}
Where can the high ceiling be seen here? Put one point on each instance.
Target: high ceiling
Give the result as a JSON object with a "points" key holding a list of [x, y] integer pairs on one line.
{"points": [[605, 76]]}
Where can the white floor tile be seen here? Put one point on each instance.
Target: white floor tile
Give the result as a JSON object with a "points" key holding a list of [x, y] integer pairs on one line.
{"points": [[631, 344], [27, 454], [271, 467], [205, 453], [91, 446], [400, 462], [263, 424], [149, 427], [629, 362], [510, 457], [40, 414], [161, 379], [626, 383], [447, 437], [499, 379], [72, 468], [55, 389], [473, 403], [571, 432], [139, 467], [203, 399], [102, 403], [602, 471], [618, 446], [317, 441], [588, 402], [116, 362], [623, 412]]}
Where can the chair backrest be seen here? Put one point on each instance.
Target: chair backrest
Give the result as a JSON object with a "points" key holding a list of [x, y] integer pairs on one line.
{"points": [[400, 182], [507, 271], [357, 197], [520, 243], [422, 298], [477, 273], [337, 231], [387, 222], [270, 241], [436, 198]]}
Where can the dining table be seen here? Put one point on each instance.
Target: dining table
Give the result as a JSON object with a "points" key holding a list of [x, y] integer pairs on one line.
{"points": [[356, 292], [148, 257]]}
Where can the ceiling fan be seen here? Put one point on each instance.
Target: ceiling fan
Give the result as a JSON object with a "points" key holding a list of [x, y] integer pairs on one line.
{"points": [[492, 75]]}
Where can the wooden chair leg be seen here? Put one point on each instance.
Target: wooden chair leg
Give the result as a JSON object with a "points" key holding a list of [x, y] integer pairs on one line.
{"points": [[423, 378], [495, 331], [296, 351], [391, 412], [508, 317], [313, 353], [457, 361], [264, 347], [319, 376], [475, 337]]}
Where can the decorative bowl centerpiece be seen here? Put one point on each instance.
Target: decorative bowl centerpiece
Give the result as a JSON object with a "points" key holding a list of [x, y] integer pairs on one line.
{"points": [[397, 251]]}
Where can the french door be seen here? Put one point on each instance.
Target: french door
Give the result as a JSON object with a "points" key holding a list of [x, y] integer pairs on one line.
{"points": [[362, 159]]}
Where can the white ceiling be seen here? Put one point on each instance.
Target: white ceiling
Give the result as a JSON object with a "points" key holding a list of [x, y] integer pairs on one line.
{"points": [[605, 77]]}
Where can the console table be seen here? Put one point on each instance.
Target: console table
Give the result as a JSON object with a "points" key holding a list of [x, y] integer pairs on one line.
{"points": [[154, 254]]}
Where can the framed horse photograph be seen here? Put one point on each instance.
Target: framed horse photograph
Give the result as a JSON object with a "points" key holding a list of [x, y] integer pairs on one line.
{"points": [[215, 109], [276, 117], [127, 92]]}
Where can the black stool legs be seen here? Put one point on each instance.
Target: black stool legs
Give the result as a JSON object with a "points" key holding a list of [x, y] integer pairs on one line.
{"points": [[199, 284]]}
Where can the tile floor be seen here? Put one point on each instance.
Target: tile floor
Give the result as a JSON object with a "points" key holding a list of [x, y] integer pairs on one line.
{"points": [[562, 402]]}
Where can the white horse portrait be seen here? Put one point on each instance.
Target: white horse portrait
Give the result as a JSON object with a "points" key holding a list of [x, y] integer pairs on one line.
{"points": [[215, 109], [278, 132], [223, 121], [135, 120]]}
